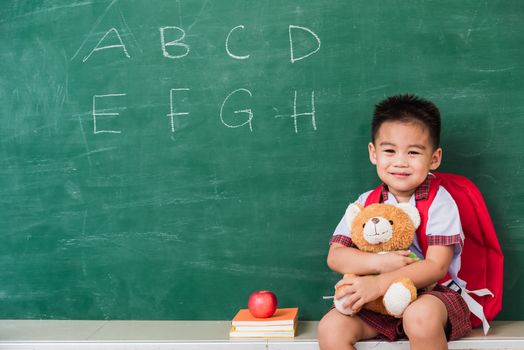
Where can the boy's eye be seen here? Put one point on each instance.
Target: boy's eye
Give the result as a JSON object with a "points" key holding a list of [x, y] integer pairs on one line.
{"points": [[389, 151], [414, 152]]}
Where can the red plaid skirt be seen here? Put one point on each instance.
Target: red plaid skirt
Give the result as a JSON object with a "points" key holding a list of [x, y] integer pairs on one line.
{"points": [[458, 325]]}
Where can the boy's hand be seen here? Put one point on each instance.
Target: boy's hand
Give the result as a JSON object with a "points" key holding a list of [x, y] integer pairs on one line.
{"points": [[359, 290], [392, 261]]}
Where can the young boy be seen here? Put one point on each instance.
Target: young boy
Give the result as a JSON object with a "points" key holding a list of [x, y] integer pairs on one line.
{"points": [[404, 148]]}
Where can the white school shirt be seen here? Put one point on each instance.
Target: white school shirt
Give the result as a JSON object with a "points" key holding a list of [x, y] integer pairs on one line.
{"points": [[443, 221]]}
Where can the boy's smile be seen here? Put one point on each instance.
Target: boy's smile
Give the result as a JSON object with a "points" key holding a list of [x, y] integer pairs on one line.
{"points": [[403, 153]]}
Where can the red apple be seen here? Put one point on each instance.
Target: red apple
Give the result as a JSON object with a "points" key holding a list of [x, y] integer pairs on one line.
{"points": [[262, 304]]}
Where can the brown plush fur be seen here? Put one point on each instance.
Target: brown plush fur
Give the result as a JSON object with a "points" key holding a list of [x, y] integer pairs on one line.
{"points": [[403, 233]]}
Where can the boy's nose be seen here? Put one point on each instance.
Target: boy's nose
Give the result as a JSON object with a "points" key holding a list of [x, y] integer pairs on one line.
{"points": [[401, 161]]}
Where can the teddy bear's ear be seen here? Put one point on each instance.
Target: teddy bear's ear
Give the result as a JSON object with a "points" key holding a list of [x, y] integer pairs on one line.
{"points": [[351, 212], [412, 213]]}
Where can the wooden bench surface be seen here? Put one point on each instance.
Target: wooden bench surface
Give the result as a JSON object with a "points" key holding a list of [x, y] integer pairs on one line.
{"points": [[163, 335]]}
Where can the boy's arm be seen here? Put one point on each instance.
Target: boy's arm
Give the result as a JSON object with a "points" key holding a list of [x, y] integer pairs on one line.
{"points": [[344, 260], [423, 273]]}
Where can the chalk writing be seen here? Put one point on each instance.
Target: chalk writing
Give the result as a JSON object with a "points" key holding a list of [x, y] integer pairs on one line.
{"points": [[177, 42], [100, 48], [247, 111], [291, 29], [295, 115], [174, 46], [174, 114], [227, 45], [96, 114]]}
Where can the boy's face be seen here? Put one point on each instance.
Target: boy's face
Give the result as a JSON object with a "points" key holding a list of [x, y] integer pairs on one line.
{"points": [[404, 154]]}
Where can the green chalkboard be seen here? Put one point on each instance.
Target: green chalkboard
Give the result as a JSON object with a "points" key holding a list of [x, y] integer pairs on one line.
{"points": [[163, 159]]}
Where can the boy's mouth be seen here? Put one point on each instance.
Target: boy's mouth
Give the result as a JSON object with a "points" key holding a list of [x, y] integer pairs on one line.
{"points": [[400, 174]]}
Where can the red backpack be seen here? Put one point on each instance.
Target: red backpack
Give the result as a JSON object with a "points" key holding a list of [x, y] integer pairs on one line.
{"points": [[482, 262]]}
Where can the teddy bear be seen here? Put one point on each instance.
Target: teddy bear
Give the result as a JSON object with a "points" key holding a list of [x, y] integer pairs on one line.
{"points": [[382, 228]]}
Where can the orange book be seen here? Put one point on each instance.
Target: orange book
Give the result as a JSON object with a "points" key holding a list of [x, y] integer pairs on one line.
{"points": [[286, 316]]}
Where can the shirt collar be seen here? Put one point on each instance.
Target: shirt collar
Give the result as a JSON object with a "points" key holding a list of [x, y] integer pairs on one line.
{"points": [[421, 192]]}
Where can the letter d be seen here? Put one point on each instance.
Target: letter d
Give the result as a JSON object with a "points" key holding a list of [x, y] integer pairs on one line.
{"points": [[293, 58]]}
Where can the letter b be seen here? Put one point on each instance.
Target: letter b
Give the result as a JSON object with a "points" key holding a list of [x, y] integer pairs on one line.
{"points": [[177, 42]]}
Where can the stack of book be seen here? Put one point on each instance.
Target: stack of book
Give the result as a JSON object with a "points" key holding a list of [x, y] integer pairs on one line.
{"points": [[282, 324]]}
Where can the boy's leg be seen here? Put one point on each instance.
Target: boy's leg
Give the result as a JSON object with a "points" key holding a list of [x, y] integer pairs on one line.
{"points": [[337, 331], [424, 323]]}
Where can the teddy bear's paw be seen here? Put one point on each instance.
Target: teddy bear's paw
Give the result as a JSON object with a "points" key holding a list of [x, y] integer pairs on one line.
{"points": [[343, 310], [397, 299]]}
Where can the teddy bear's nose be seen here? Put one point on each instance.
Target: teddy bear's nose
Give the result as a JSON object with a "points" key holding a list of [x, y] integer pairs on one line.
{"points": [[375, 220]]}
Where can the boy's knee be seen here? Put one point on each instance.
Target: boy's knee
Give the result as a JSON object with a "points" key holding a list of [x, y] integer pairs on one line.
{"points": [[323, 327], [336, 333], [326, 334], [424, 320]]}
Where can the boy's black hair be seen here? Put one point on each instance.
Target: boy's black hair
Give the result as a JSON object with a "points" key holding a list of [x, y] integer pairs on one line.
{"points": [[406, 108]]}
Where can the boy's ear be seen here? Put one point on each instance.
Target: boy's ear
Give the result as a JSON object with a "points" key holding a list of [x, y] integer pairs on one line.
{"points": [[372, 153], [436, 158]]}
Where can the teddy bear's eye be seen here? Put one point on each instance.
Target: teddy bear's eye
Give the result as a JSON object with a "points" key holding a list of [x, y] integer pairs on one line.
{"points": [[391, 222], [363, 225]]}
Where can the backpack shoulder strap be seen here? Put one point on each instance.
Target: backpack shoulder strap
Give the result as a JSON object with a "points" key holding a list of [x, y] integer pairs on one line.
{"points": [[423, 209], [374, 197]]}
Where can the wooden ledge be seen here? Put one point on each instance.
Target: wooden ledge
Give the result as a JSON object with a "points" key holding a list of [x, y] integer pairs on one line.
{"points": [[186, 335]]}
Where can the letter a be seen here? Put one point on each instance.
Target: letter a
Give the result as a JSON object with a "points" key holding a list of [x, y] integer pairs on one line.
{"points": [[293, 58], [99, 48]]}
